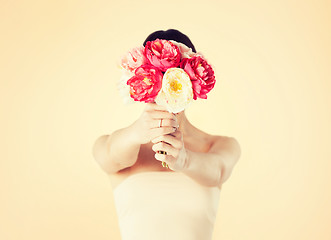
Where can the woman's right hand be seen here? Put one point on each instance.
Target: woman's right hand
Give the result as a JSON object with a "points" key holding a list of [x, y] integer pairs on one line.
{"points": [[146, 127]]}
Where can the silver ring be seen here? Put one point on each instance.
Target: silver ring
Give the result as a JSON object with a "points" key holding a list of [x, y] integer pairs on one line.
{"points": [[160, 123]]}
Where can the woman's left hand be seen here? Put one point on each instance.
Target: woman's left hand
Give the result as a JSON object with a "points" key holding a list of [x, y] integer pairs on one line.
{"points": [[173, 144]]}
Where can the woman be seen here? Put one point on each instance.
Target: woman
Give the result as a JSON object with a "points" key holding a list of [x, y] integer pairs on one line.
{"points": [[154, 202]]}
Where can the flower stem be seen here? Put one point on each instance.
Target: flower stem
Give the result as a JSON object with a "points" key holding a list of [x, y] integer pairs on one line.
{"points": [[164, 164]]}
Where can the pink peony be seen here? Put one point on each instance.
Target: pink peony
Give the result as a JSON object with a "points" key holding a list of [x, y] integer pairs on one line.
{"points": [[162, 54], [145, 84], [134, 59], [201, 75]]}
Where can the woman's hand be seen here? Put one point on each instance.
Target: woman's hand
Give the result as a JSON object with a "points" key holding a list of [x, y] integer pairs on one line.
{"points": [[173, 144], [146, 127]]}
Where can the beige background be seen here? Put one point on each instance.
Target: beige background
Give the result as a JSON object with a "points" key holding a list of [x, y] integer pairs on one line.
{"points": [[58, 94]]}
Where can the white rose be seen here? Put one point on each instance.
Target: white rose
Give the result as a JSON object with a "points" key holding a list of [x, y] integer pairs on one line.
{"points": [[176, 92]]}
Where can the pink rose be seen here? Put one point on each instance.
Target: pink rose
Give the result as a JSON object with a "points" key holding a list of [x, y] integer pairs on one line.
{"points": [[146, 83], [134, 59], [201, 75], [162, 54]]}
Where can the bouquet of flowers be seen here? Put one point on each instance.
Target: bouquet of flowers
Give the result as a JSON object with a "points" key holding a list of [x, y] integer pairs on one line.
{"points": [[165, 72]]}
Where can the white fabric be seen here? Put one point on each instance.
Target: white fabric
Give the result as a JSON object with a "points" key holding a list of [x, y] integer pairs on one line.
{"points": [[165, 205]]}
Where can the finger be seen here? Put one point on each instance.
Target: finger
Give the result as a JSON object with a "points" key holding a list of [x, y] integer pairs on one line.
{"points": [[155, 132], [169, 139], [164, 158], [178, 134], [162, 146], [161, 157], [165, 123], [161, 114]]}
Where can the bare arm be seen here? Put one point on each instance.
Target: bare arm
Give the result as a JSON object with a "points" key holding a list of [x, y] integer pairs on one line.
{"points": [[117, 151], [215, 167], [210, 169], [120, 149]]}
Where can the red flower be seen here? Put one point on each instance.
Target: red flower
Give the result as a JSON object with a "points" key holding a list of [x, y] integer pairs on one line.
{"points": [[201, 75], [146, 83], [162, 54]]}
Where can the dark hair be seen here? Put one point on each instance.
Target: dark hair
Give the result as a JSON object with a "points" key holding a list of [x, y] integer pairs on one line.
{"points": [[171, 34]]}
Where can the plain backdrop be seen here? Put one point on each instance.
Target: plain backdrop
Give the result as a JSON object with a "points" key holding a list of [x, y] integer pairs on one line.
{"points": [[58, 74]]}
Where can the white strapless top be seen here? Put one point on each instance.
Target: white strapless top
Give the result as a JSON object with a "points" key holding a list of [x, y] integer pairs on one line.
{"points": [[165, 205]]}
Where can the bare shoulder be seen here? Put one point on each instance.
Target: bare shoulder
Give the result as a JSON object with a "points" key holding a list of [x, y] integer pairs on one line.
{"points": [[225, 145]]}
